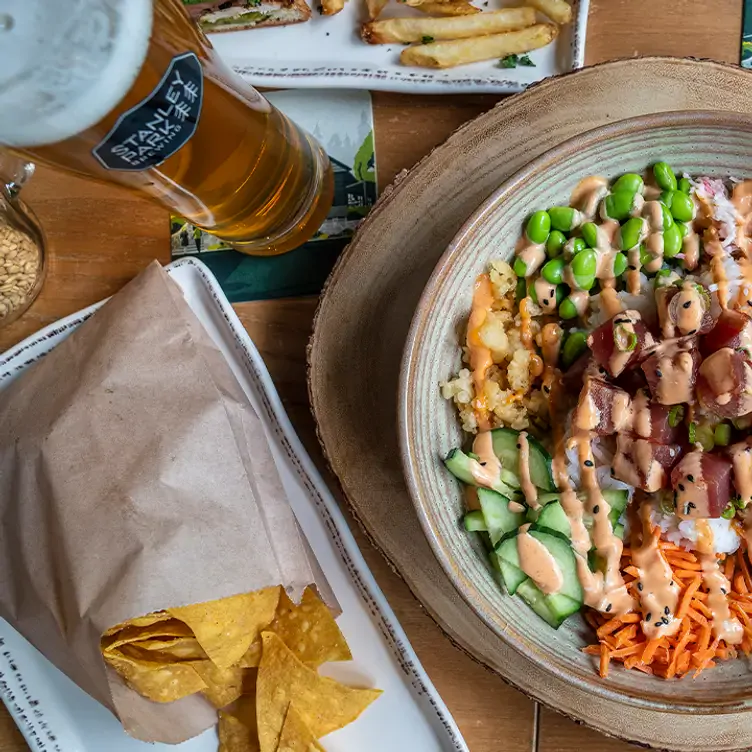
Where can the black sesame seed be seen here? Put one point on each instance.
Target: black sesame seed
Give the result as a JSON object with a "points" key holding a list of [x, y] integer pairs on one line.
{"points": [[687, 304], [691, 478], [691, 505], [609, 607], [681, 487], [588, 463], [519, 446], [596, 509], [723, 590], [639, 586], [667, 610], [546, 389], [632, 268], [648, 616], [749, 302], [482, 464], [694, 331], [658, 372], [602, 370], [613, 472], [545, 301]]}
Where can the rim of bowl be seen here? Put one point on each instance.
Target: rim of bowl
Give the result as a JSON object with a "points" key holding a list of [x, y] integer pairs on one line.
{"points": [[533, 171]]}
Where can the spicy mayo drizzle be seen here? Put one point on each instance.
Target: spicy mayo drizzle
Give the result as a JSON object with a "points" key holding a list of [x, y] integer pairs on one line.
{"points": [[480, 355]]}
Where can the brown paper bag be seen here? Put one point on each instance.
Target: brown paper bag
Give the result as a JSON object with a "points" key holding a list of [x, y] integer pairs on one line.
{"points": [[136, 476]]}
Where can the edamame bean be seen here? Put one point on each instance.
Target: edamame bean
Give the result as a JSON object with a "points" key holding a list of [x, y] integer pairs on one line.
{"points": [[631, 182], [620, 264], [573, 246], [555, 243], [672, 242], [590, 233], [683, 229], [567, 309], [520, 268], [667, 198], [722, 434], [583, 267], [574, 347], [630, 233], [538, 227], [664, 176], [668, 219], [645, 257], [684, 185], [561, 292], [682, 207], [553, 270], [521, 290], [531, 292], [618, 205], [564, 218]]}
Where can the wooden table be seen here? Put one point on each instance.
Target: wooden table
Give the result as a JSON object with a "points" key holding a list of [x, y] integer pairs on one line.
{"points": [[101, 237]]}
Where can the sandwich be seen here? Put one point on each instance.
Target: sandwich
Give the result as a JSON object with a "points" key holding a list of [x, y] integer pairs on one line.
{"points": [[236, 15]]}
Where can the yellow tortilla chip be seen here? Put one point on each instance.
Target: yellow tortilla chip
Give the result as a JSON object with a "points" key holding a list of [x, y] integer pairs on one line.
{"points": [[156, 681], [252, 657], [140, 621], [167, 650], [234, 735], [309, 630], [296, 736], [324, 704], [223, 685], [130, 634], [226, 628]]}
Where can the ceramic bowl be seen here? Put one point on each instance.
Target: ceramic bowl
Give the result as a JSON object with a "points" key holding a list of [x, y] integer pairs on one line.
{"points": [[696, 142]]}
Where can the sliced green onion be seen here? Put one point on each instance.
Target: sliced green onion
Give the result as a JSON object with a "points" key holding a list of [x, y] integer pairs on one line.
{"points": [[738, 502], [722, 434], [705, 295], [729, 511], [625, 340], [692, 432], [675, 415], [473, 456], [667, 504]]}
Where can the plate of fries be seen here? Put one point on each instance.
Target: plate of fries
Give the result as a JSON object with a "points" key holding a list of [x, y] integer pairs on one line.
{"points": [[415, 46]]}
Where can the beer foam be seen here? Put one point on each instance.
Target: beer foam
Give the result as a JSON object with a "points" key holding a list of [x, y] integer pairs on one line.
{"points": [[66, 65]]}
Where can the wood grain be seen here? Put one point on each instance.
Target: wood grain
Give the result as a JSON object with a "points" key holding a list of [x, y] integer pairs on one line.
{"points": [[100, 237]]}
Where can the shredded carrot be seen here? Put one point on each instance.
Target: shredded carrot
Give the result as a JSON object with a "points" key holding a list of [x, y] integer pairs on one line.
{"points": [[692, 647]]}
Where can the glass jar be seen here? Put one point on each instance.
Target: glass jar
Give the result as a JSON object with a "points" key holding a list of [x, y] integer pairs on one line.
{"points": [[22, 242]]}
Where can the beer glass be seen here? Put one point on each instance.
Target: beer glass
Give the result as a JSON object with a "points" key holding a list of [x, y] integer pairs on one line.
{"points": [[132, 92]]}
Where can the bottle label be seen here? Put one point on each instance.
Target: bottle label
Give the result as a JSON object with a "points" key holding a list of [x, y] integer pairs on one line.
{"points": [[157, 127]]}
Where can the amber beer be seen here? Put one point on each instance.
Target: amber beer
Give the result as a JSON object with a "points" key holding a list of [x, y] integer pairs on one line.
{"points": [[155, 109]]}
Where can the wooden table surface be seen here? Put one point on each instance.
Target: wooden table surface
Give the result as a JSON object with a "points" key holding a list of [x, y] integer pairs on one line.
{"points": [[91, 259]]}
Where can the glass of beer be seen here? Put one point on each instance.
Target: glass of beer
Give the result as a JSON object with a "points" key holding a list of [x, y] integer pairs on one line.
{"points": [[132, 92]]}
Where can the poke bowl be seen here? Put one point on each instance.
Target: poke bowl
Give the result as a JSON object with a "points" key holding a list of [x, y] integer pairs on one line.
{"points": [[575, 414]]}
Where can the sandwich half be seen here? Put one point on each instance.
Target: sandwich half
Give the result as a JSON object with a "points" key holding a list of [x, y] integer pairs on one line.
{"points": [[236, 15]]}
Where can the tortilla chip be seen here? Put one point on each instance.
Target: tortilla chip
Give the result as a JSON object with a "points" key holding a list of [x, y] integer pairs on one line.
{"points": [[252, 657], [324, 704], [129, 634], [223, 685], [296, 736], [235, 736], [157, 681], [140, 621], [309, 630], [167, 650], [226, 628]]}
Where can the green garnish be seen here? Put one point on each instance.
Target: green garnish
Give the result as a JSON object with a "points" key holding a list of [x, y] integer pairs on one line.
{"points": [[729, 511], [473, 456], [722, 434], [737, 502], [624, 339], [526, 61], [426, 40], [667, 504], [675, 415], [692, 432], [705, 295], [510, 61]]}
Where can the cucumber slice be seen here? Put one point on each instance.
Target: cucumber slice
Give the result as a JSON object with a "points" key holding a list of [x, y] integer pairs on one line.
{"points": [[499, 519], [619, 530], [513, 576], [617, 499], [562, 552], [553, 609], [474, 522], [505, 442], [458, 464], [553, 517]]}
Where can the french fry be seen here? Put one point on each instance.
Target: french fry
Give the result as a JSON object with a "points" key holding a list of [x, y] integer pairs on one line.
{"points": [[406, 30], [475, 49], [559, 11], [331, 7], [457, 8], [418, 3], [375, 7]]}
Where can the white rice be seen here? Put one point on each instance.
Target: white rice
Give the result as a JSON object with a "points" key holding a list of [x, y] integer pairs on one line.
{"points": [[684, 532]]}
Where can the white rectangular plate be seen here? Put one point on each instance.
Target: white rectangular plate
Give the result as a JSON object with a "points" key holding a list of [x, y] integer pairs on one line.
{"points": [[54, 715], [327, 52]]}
